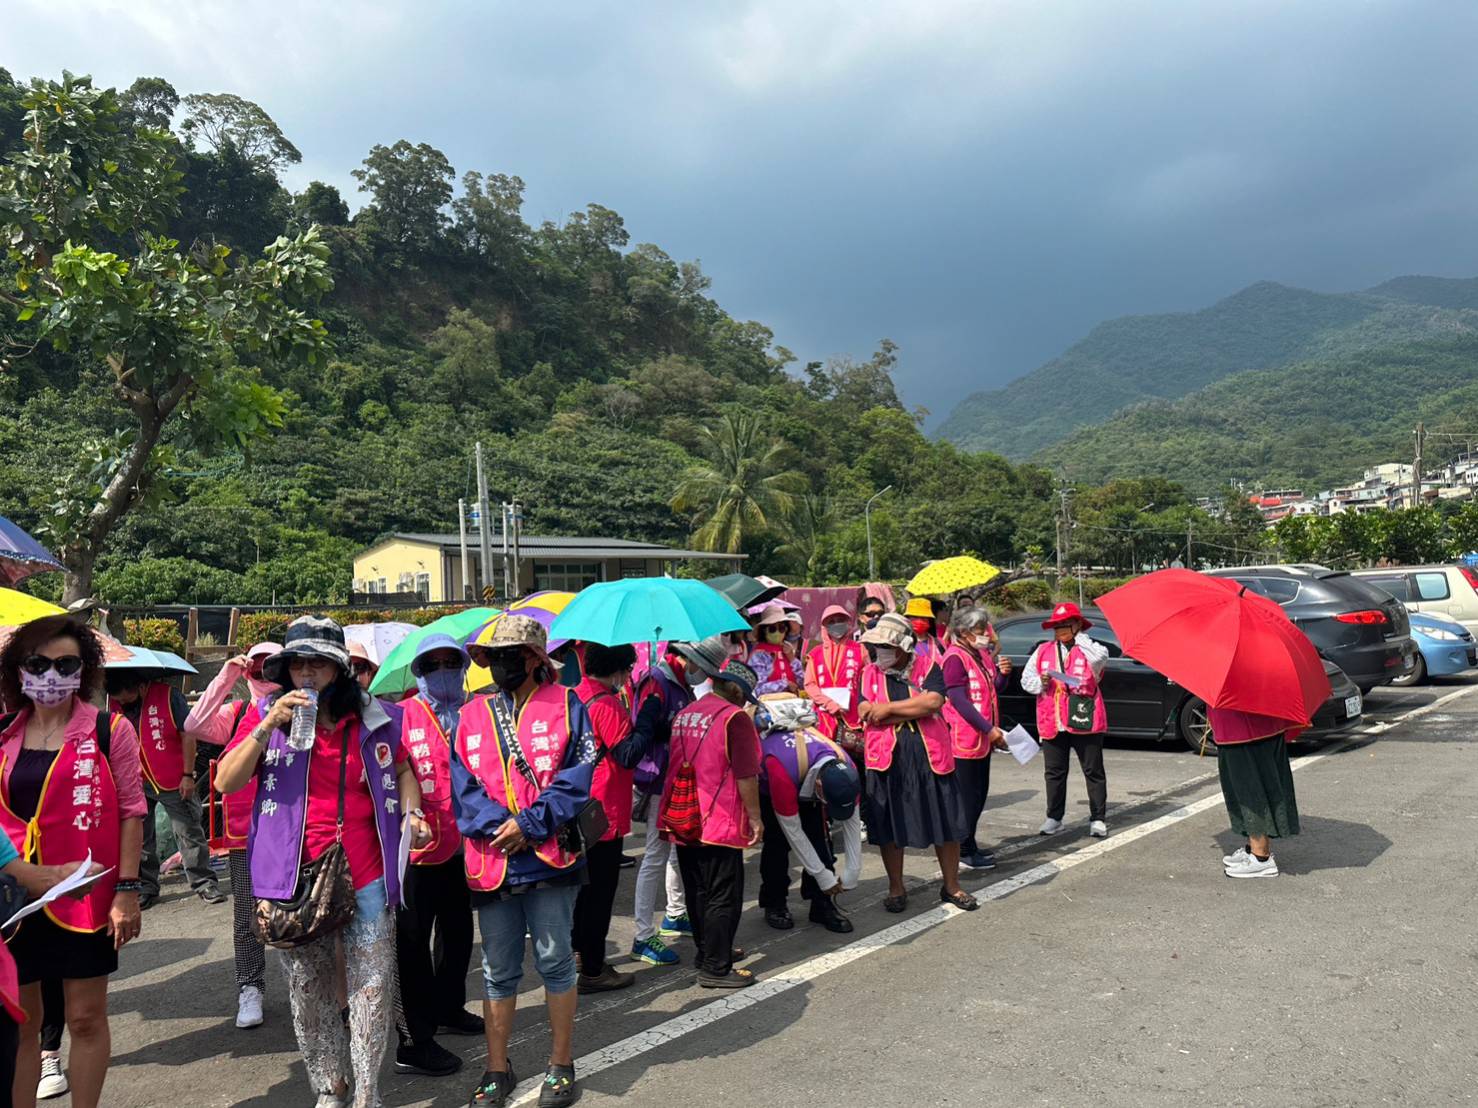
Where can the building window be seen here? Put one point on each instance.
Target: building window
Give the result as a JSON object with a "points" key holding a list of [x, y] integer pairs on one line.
{"points": [[379, 586], [423, 585], [630, 568], [565, 576]]}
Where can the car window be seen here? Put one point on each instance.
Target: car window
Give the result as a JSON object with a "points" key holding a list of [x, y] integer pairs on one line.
{"points": [[1020, 639], [1431, 586], [1253, 584], [1396, 584], [1105, 636], [1280, 589]]}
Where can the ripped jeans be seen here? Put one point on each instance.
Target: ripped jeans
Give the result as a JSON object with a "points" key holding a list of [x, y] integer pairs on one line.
{"points": [[330, 1052]]}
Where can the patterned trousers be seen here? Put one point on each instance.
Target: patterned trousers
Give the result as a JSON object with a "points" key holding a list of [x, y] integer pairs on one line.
{"points": [[330, 1051], [251, 955]]}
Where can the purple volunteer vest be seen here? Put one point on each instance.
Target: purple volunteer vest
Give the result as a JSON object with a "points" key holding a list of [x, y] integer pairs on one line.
{"points": [[274, 849]]}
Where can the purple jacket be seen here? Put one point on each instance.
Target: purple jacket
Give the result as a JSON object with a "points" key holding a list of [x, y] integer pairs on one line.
{"points": [[274, 846]]}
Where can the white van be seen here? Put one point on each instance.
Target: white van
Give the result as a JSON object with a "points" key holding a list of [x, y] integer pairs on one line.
{"points": [[1444, 590]]}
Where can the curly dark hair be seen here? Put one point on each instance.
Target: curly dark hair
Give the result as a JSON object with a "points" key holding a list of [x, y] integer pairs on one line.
{"points": [[30, 637]]}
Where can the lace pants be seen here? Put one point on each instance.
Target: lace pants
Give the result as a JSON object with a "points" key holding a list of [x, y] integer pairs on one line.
{"points": [[330, 1052]]}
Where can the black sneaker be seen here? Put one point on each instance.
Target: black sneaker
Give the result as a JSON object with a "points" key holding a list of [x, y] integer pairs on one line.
{"points": [[212, 895], [432, 1059], [559, 1087], [462, 1022], [627, 861], [147, 901], [493, 1090]]}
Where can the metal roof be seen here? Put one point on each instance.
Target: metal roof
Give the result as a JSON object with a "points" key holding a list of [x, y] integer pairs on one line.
{"points": [[560, 546]]}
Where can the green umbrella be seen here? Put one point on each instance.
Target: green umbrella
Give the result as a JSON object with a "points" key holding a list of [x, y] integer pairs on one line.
{"points": [[743, 591], [395, 673]]}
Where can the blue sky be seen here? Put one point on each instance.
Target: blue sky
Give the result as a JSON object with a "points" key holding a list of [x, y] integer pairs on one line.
{"points": [[981, 182]]}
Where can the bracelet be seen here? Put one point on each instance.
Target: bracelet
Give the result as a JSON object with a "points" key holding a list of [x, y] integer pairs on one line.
{"points": [[128, 885], [190, 776], [261, 736]]}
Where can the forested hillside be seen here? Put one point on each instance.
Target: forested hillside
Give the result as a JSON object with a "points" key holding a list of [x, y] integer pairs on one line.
{"points": [[1137, 359], [1312, 425], [605, 381]]}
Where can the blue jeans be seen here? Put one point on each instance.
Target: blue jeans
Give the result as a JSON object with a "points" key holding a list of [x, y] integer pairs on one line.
{"points": [[546, 915], [370, 904]]}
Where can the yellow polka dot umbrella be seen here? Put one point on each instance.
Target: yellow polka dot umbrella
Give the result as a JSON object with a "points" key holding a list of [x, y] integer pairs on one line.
{"points": [[951, 575]]}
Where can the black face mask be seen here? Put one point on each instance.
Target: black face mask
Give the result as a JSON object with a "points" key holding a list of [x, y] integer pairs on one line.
{"points": [[509, 675]]}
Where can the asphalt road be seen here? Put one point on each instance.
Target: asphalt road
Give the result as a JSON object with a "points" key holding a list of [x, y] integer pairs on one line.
{"points": [[1127, 971]]}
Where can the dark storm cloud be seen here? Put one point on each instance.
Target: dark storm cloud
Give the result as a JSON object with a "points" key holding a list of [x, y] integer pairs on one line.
{"points": [[979, 182]]}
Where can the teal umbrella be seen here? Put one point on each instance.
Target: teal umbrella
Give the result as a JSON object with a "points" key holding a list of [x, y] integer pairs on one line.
{"points": [[141, 657], [647, 609], [395, 672]]}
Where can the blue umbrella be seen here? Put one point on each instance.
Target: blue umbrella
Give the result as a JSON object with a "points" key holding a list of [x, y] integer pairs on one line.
{"points": [[141, 657], [21, 555], [647, 609]]}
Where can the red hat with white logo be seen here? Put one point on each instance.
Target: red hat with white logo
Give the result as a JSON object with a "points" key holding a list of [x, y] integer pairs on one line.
{"points": [[1065, 613]]}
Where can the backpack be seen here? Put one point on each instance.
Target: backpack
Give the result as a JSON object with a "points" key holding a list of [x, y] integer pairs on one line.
{"points": [[682, 817]]}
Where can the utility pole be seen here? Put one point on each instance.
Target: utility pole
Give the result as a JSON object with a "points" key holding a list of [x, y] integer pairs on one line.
{"points": [[515, 513], [1190, 550], [1416, 469], [872, 569], [462, 535], [505, 527], [482, 520], [1063, 526]]}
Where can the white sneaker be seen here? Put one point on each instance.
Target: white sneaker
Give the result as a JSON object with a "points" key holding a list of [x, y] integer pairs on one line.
{"points": [[328, 1100], [1236, 857], [249, 1007], [53, 1078], [1251, 867], [1050, 827], [1098, 829]]}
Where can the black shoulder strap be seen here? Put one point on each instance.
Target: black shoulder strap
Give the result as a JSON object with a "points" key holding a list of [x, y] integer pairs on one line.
{"points": [[105, 733]]}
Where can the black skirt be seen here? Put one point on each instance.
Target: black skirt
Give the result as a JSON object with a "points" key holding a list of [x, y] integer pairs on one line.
{"points": [[910, 805], [42, 948]]}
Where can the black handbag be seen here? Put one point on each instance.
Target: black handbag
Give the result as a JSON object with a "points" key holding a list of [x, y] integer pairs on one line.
{"points": [[590, 822], [323, 900]]}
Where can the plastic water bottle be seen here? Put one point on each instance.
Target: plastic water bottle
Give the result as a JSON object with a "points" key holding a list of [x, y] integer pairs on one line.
{"points": [[305, 721]]}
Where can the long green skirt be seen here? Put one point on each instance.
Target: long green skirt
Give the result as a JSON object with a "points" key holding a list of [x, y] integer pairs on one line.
{"points": [[1257, 785]]}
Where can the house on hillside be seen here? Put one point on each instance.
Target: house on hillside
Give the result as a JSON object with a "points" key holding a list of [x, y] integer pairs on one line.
{"points": [[430, 565]]}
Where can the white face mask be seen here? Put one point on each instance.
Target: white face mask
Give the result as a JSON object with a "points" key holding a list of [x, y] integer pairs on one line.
{"points": [[887, 658]]}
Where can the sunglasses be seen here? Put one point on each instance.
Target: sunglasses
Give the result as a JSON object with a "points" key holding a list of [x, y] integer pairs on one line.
{"points": [[65, 666], [359, 666], [431, 665], [505, 656]]}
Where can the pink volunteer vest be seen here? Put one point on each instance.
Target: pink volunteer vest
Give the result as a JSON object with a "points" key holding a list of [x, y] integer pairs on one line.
{"points": [[543, 734], [847, 674], [968, 742], [700, 734], [77, 812], [879, 739], [236, 808], [159, 740], [1052, 701], [430, 752]]}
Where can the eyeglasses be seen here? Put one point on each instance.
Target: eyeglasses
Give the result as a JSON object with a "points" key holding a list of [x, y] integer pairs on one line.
{"points": [[431, 665], [358, 666], [871, 613], [65, 666]]}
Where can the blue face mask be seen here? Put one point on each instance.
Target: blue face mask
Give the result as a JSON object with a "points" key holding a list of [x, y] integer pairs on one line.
{"points": [[444, 688]]}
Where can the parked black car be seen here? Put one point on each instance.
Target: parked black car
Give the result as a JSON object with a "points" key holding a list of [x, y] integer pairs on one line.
{"points": [[1357, 626], [1142, 702]]}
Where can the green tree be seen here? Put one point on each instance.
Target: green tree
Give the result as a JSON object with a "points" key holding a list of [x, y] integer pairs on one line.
{"points": [[410, 188], [163, 328], [320, 203], [152, 101], [745, 490], [222, 119]]}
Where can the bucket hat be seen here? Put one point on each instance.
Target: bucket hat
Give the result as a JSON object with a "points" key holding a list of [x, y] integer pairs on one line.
{"points": [[709, 655], [919, 607], [739, 674], [891, 629], [307, 637]]}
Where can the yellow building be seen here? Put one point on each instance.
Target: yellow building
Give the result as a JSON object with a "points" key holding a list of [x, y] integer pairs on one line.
{"points": [[431, 564]]}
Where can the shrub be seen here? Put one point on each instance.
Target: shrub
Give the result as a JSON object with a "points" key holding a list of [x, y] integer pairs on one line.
{"points": [[422, 616], [154, 634], [1094, 587], [255, 627], [1022, 596]]}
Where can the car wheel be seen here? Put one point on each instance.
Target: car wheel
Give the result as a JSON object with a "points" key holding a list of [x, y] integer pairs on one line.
{"points": [[1417, 676], [1194, 727]]}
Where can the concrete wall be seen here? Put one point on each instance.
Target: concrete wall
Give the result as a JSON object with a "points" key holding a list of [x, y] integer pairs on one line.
{"points": [[392, 559]]}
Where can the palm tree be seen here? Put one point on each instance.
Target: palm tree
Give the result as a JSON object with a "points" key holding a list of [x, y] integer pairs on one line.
{"points": [[745, 489], [812, 519]]}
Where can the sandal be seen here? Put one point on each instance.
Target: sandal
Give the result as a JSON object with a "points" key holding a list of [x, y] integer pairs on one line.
{"points": [[896, 904], [961, 900], [559, 1087], [737, 954], [734, 979], [493, 1090]]}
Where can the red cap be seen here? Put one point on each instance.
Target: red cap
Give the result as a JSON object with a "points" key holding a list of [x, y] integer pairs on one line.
{"points": [[1063, 613]]}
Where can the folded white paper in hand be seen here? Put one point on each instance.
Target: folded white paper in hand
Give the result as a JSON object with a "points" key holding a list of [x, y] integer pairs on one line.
{"points": [[843, 697], [1066, 678], [1023, 747], [406, 834], [75, 881]]}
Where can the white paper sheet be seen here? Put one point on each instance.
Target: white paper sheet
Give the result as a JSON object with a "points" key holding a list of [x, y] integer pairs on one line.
{"points": [[1023, 747], [405, 847], [1066, 678], [75, 881], [843, 697]]}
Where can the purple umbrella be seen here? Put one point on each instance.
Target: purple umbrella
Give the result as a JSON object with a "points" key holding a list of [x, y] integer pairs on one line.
{"points": [[21, 555]]}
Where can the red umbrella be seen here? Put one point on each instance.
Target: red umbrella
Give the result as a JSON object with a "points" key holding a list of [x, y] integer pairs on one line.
{"points": [[1232, 648]]}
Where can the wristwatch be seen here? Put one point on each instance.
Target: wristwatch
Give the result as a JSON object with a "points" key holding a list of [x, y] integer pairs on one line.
{"points": [[417, 813]]}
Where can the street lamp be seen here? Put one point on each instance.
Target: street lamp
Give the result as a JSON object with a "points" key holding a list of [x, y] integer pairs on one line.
{"points": [[872, 569]]}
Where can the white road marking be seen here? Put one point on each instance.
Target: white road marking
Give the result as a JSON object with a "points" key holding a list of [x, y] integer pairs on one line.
{"points": [[728, 1004]]}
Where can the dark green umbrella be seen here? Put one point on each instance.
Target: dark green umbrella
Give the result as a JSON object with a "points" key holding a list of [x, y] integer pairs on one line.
{"points": [[744, 591]]}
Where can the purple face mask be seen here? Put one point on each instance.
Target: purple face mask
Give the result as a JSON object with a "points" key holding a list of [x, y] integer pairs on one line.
{"points": [[51, 688]]}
